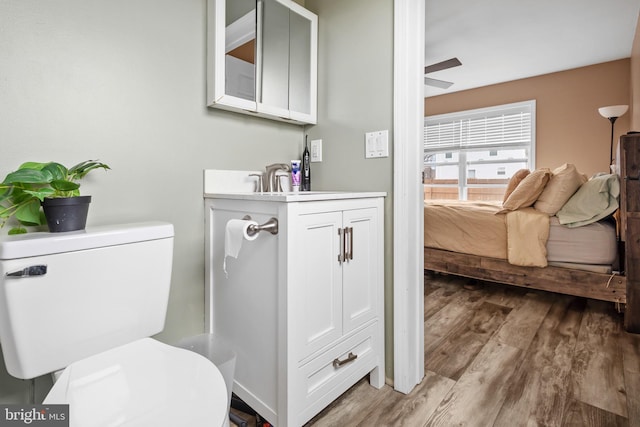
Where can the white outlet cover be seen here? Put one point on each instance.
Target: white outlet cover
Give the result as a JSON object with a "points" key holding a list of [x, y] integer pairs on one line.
{"points": [[316, 150]]}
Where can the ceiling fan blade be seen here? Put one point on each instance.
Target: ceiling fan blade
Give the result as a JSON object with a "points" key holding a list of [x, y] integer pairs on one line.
{"points": [[449, 63], [437, 83]]}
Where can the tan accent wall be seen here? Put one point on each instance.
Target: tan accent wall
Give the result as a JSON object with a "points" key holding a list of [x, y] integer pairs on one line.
{"points": [[635, 80], [569, 128]]}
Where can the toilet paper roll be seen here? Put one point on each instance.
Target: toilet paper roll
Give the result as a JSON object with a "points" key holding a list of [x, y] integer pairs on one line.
{"points": [[236, 232]]}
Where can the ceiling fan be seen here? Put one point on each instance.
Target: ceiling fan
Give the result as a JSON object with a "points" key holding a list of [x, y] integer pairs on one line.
{"points": [[442, 84]]}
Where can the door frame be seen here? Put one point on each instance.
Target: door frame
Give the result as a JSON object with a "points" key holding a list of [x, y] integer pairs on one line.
{"points": [[408, 223]]}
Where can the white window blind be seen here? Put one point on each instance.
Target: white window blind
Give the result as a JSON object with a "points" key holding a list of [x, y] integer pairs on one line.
{"points": [[502, 126]]}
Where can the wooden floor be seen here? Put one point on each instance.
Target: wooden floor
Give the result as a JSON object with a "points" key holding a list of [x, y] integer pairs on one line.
{"points": [[506, 356]]}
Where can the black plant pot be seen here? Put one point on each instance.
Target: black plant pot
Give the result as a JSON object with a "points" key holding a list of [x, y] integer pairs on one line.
{"points": [[66, 213]]}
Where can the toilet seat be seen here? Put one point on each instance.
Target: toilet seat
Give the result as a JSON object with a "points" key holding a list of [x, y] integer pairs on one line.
{"points": [[144, 383]]}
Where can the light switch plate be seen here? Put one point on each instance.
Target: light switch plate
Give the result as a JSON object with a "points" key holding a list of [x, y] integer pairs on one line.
{"points": [[376, 144], [316, 150]]}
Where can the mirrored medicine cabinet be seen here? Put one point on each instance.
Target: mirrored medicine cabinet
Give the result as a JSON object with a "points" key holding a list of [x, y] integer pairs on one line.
{"points": [[262, 59]]}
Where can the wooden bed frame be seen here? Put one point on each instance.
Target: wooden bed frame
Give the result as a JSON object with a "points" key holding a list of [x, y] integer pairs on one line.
{"points": [[622, 289]]}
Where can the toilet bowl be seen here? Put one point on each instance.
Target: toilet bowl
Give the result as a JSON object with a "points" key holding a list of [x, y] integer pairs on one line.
{"points": [[144, 383], [84, 305]]}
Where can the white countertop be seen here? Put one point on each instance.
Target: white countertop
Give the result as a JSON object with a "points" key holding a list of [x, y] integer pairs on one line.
{"points": [[301, 196]]}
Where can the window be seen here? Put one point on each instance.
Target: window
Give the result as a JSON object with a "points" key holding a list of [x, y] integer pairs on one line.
{"points": [[471, 155]]}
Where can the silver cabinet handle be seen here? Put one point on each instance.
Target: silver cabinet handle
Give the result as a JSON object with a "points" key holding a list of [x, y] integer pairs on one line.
{"points": [[341, 255], [346, 244], [349, 234], [33, 270], [337, 363]]}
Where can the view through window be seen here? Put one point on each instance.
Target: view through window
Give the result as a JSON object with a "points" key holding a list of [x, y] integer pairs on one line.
{"points": [[471, 155]]}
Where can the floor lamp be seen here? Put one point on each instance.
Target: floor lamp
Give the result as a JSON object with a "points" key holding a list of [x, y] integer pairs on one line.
{"points": [[612, 112]]}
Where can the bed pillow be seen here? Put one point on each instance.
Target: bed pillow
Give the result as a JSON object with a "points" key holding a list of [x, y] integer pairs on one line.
{"points": [[514, 181], [528, 191], [563, 183], [594, 200]]}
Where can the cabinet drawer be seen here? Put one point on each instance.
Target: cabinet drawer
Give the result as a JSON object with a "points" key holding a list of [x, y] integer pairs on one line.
{"points": [[324, 378]]}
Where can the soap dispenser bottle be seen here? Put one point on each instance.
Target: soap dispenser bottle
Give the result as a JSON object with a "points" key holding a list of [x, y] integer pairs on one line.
{"points": [[306, 166]]}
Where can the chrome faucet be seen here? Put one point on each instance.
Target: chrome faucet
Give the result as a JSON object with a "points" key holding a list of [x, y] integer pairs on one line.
{"points": [[271, 179]]}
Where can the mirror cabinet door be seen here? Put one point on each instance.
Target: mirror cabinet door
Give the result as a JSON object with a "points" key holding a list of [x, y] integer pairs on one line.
{"points": [[288, 63], [303, 58], [262, 58], [240, 49], [231, 71], [274, 64]]}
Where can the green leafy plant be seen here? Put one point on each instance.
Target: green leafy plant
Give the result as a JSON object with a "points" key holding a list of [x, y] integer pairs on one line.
{"points": [[22, 191]]}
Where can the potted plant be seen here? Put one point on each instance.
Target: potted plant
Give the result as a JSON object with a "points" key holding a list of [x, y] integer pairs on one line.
{"points": [[48, 185]]}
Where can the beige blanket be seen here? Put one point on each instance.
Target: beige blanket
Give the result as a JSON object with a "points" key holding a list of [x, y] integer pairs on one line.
{"points": [[527, 235], [474, 228]]}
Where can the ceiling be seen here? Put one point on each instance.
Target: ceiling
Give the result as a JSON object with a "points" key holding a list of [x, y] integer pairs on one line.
{"points": [[504, 40]]}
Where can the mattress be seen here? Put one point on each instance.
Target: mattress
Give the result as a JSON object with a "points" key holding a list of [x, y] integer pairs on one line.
{"points": [[590, 244], [474, 228]]}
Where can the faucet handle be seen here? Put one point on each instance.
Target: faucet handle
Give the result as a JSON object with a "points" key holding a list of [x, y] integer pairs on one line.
{"points": [[279, 176], [259, 187]]}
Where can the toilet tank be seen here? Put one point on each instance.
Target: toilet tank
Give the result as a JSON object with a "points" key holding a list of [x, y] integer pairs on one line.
{"points": [[67, 296]]}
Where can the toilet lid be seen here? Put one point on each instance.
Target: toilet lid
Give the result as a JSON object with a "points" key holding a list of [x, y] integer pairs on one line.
{"points": [[144, 383]]}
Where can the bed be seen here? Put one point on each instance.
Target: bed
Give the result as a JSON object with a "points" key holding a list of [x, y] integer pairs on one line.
{"points": [[520, 245]]}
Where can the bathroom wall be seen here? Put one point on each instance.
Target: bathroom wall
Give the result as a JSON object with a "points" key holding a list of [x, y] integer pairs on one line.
{"points": [[355, 95], [124, 82]]}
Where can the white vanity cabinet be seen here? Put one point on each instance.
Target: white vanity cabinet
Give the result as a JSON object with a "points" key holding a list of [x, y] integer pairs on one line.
{"points": [[309, 322]]}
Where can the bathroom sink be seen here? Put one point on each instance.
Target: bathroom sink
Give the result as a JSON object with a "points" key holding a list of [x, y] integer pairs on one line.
{"points": [[241, 185], [299, 196]]}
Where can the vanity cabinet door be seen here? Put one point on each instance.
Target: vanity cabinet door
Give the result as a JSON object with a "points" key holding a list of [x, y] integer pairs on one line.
{"points": [[337, 280], [360, 280], [317, 286]]}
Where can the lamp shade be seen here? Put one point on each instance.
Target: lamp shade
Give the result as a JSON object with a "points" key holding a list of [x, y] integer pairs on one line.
{"points": [[613, 110]]}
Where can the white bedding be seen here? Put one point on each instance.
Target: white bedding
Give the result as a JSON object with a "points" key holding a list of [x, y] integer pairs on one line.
{"points": [[590, 244]]}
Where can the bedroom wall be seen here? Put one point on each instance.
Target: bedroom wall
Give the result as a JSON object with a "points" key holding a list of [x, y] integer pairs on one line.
{"points": [[569, 128]]}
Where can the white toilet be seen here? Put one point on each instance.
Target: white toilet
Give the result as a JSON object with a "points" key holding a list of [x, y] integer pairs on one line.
{"points": [[85, 303]]}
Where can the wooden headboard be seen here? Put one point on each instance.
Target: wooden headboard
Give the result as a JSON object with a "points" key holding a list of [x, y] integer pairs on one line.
{"points": [[630, 224]]}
